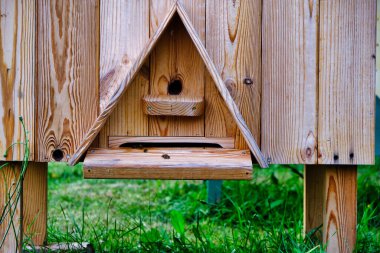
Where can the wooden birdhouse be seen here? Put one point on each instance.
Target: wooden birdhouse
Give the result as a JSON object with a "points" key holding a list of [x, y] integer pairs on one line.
{"points": [[154, 120]]}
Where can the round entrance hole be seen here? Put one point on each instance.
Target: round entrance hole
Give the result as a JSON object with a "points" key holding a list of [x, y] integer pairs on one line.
{"points": [[175, 87], [57, 154]]}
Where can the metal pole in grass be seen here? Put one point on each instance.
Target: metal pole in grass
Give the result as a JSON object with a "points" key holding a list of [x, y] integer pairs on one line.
{"points": [[214, 191], [13, 194]]}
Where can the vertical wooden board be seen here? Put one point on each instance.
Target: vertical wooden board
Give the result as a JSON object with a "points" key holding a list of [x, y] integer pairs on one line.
{"points": [[67, 76], [8, 178], [175, 56], [17, 72], [289, 99], [34, 203], [347, 82], [339, 207], [233, 40], [124, 30]]}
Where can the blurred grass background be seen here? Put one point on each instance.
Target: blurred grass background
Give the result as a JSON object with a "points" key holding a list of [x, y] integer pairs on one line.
{"points": [[261, 215]]}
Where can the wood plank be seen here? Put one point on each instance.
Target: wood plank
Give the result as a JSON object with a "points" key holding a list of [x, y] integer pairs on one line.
{"points": [[34, 203], [289, 101], [233, 40], [9, 176], [67, 75], [339, 208], [117, 141], [124, 30], [313, 201], [17, 72], [176, 58], [122, 80], [347, 82], [168, 163], [173, 105]]}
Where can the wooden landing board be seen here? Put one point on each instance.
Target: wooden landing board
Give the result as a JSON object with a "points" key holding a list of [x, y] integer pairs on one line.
{"points": [[17, 72], [116, 141], [167, 163], [160, 105]]}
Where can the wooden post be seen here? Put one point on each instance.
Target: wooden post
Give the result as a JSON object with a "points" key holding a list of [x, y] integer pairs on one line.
{"points": [[8, 179], [35, 203], [330, 199], [214, 191]]}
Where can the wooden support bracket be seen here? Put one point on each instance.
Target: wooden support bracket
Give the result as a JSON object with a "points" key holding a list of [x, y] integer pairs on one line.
{"points": [[173, 105]]}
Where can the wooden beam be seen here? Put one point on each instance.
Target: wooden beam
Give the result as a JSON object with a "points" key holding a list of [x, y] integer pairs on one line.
{"points": [[332, 190], [173, 105], [117, 141], [34, 203], [9, 176], [168, 163]]}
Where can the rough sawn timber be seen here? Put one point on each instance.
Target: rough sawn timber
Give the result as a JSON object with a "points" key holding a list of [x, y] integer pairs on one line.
{"points": [[168, 163], [173, 105]]}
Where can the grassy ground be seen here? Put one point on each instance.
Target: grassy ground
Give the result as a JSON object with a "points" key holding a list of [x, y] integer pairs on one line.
{"points": [[262, 215]]}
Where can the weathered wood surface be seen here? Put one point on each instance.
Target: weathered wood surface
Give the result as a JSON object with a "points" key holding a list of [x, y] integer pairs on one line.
{"points": [[17, 71], [117, 141], [347, 82], [34, 203], [124, 30], [8, 178], [173, 106], [127, 78], [289, 98], [233, 41], [67, 76], [175, 57], [168, 163]]}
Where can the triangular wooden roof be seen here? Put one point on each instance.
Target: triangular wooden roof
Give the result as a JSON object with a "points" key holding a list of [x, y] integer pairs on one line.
{"points": [[126, 72]]}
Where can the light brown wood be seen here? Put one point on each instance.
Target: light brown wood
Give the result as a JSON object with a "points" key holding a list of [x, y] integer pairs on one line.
{"points": [[313, 200], [119, 84], [339, 208], [173, 105], [67, 57], [117, 141], [175, 57], [17, 71], [290, 68], [34, 203], [124, 30], [8, 178], [347, 82], [233, 41], [168, 163], [234, 110]]}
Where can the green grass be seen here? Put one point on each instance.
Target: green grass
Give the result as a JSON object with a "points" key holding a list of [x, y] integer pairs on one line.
{"points": [[261, 215]]}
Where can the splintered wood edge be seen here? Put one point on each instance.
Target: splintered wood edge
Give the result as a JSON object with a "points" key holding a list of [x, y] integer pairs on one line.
{"points": [[117, 141], [173, 105]]}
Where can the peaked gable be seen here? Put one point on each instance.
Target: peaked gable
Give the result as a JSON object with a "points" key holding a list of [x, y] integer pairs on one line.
{"points": [[123, 76]]}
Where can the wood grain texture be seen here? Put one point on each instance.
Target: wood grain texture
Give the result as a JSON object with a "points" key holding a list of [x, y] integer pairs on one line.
{"points": [[124, 30], [173, 105], [347, 82], [34, 203], [117, 141], [313, 201], [169, 163], [125, 78], [17, 72], [8, 177], [67, 74], [175, 57], [233, 40], [339, 208], [289, 100]]}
